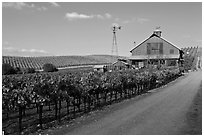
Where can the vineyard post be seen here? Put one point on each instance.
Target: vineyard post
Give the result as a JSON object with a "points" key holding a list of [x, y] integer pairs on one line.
{"points": [[67, 107], [24, 110], [105, 96], [138, 91], [116, 94], [20, 119], [97, 98], [56, 109], [134, 90], [49, 106], [111, 94], [7, 113], [40, 114], [85, 104], [79, 103], [74, 107], [129, 93], [37, 107], [126, 92], [89, 103], [60, 105], [120, 94]]}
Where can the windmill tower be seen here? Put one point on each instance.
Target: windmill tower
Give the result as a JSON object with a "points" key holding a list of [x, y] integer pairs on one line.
{"points": [[114, 50]]}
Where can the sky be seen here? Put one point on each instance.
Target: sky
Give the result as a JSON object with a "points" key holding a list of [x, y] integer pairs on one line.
{"points": [[82, 28]]}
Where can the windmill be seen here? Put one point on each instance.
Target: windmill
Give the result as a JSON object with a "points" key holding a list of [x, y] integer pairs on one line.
{"points": [[114, 50]]}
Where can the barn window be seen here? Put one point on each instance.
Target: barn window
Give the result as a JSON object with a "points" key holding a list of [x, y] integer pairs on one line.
{"points": [[171, 51], [154, 48], [148, 48]]}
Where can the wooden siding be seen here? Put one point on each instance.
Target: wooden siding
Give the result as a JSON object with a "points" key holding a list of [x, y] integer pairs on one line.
{"points": [[142, 49]]}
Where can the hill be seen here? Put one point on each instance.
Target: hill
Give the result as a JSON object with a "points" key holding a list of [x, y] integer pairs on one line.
{"points": [[58, 61]]}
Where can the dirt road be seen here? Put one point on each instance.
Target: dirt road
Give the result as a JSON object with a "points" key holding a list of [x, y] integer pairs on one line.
{"points": [[173, 109]]}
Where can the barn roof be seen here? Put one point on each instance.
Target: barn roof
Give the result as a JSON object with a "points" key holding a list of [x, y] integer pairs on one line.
{"points": [[154, 35], [99, 66], [121, 62]]}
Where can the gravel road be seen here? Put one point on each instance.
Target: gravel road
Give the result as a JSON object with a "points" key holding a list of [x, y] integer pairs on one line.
{"points": [[173, 109]]}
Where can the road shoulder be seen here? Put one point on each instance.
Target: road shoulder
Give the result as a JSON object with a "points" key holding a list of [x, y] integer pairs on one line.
{"points": [[194, 116]]}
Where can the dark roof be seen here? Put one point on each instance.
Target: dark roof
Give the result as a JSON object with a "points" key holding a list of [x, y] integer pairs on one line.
{"points": [[154, 35]]}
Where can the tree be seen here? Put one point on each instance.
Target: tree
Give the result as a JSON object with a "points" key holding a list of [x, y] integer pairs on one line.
{"points": [[7, 69]]}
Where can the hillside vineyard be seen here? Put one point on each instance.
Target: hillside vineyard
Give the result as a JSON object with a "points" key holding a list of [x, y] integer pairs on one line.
{"points": [[58, 61], [65, 61]]}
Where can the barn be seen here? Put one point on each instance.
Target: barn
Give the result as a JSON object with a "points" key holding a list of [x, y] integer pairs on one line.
{"points": [[155, 51]]}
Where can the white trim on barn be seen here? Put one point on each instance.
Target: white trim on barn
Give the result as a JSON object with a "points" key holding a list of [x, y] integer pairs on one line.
{"points": [[144, 57]]}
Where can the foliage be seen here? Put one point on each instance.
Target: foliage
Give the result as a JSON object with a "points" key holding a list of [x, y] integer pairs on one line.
{"points": [[49, 87], [190, 57], [49, 68], [7, 69], [39, 89], [29, 70]]}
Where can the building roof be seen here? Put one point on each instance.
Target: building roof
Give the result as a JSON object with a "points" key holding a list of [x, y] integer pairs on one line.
{"points": [[99, 66], [121, 62], [154, 35]]}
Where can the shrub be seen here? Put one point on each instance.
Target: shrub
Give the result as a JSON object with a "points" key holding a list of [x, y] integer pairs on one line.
{"points": [[28, 70], [49, 68], [8, 69], [18, 70]]}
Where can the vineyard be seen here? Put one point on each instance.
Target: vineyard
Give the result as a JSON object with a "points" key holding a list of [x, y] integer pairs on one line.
{"points": [[33, 102], [191, 55], [36, 101], [58, 61]]}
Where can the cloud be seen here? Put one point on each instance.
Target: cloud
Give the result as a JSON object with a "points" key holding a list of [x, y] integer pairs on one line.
{"points": [[41, 8], [107, 15], [99, 16], [11, 51], [32, 51], [139, 20], [75, 15], [8, 48], [16, 5], [21, 5], [55, 4], [142, 20]]}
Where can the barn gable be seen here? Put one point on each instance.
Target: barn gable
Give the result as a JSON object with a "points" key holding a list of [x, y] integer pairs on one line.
{"points": [[167, 48], [154, 35]]}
